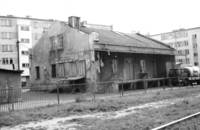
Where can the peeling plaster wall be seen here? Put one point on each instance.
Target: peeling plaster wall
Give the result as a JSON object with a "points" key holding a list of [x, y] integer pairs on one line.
{"points": [[77, 46]]}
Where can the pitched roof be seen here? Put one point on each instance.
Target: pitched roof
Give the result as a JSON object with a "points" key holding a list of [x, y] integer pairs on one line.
{"points": [[110, 37]]}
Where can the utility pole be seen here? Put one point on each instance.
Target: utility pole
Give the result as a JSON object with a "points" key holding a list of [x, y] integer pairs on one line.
{"points": [[18, 54]]}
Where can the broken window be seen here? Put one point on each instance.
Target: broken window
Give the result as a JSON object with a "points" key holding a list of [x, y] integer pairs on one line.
{"points": [[37, 69], [53, 70]]}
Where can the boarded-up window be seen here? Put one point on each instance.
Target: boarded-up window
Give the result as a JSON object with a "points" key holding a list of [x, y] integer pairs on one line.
{"points": [[37, 70], [61, 70], [142, 66], [53, 70], [75, 68], [114, 66], [53, 42], [60, 41]]}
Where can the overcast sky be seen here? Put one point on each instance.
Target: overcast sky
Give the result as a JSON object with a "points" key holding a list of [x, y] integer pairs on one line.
{"points": [[145, 16]]}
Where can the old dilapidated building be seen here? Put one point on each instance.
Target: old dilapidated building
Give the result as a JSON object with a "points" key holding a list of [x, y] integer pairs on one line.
{"points": [[82, 52]]}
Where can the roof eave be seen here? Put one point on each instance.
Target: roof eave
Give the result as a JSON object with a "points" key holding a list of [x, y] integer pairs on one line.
{"points": [[132, 49]]}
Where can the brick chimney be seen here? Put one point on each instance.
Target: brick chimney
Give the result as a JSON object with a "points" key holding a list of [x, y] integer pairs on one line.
{"points": [[74, 22]]}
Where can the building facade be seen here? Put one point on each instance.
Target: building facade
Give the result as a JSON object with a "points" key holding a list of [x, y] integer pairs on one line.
{"points": [[86, 53], [187, 45], [17, 36]]}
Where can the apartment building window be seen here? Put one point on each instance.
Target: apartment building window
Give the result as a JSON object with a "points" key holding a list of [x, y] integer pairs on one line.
{"points": [[25, 65], [7, 48], [186, 43], [187, 52], [6, 61], [8, 35], [53, 70], [195, 54], [25, 28], [179, 52], [60, 41], [196, 63], [25, 53], [53, 42], [194, 36], [187, 61], [5, 22], [25, 40], [37, 70], [11, 61]]}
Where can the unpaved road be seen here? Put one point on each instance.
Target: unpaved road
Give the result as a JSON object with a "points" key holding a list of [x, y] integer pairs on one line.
{"points": [[72, 122]]}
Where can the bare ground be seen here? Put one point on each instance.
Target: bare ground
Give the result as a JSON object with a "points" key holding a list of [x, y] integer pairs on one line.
{"points": [[138, 110]]}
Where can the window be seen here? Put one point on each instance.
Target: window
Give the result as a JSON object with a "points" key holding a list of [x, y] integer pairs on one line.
{"points": [[61, 70], [6, 61], [114, 66], [37, 69], [187, 61], [8, 35], [53, 70], [60, 41], [7, 48], [194, 36], [53, 42], [25, 28], [5, 22], [195, 54], [25, 53], [25, 65], [195, 45], [186, 43], [187, 52], [11, 61], [142, 66], [25, 40], [196, 63]]}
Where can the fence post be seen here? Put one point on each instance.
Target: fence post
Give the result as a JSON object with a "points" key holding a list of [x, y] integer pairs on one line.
{"points": [[12, 99], [158, 83], [122, 92], [145, 85], [163, 81], [58, 96], [93, 89]]}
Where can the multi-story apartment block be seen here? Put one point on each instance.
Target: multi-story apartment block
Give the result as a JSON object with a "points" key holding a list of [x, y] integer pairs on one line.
{"points": [[186, 42], [17, 36]]}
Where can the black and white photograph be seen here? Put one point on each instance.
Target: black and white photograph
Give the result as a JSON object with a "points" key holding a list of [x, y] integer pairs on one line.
{"points": [[99, 65]]}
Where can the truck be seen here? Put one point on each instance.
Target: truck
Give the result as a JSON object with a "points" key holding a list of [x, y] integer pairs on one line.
{"points": [[188, 75]]}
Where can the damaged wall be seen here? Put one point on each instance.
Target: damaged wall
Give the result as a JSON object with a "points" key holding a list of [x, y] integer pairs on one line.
{"points": [[77, 46], [129, 66]]}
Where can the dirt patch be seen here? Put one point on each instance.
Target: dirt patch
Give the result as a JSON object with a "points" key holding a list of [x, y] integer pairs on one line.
{"points": [[115, 109], [78, 120]]}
